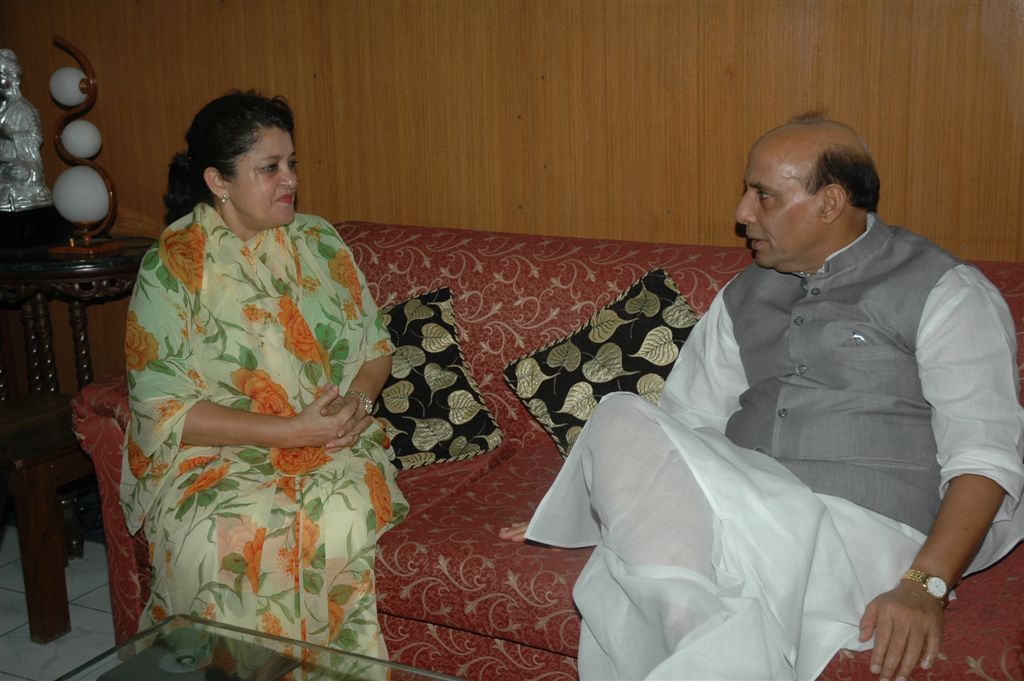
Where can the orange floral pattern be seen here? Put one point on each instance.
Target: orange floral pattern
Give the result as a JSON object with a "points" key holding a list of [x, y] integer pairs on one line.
{"points": [[140, 346], [271, 624], [298, 339], [167, 409], [288, 558], [255, 314], [298, 460], [181, 252], [343, 270], [306, 535], [380, 494], [253, 553], [336, 616], [287, 487], [310, 284], [206, 480], [267, 397], [138, 462], [195, 462], [258, 536], [196, 379]]}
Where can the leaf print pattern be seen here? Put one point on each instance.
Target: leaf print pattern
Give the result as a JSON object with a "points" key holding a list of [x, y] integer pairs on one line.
{"points": [[628, 345], [280, 540], [430, 405]]}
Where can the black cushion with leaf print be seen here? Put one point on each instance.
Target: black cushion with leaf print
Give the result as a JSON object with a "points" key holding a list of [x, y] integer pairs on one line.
{"points": [[430, 405], [629, 345]]}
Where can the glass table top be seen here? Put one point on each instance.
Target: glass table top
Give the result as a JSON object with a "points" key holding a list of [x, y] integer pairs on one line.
{"points": [[184, 648]]}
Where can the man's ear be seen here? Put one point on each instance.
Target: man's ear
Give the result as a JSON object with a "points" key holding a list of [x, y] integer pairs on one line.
{"points": [[215, 182], [833, 202]]}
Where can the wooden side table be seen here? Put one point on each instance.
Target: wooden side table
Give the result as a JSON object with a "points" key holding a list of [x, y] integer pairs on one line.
{"points": [[38, 451], [31, 278], [39, 454]]}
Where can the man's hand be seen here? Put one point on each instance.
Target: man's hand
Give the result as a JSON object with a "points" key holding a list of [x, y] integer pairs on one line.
{"points": [[907, 625]]}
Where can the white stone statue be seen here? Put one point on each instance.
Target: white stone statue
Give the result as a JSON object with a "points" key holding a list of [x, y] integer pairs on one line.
{"points": [[21, 168]]}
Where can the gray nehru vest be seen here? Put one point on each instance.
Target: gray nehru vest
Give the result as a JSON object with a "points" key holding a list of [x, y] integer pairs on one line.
{"points": [[830, 360]]}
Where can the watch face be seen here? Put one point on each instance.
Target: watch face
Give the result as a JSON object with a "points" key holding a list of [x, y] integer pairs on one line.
{"points": [[936, 587]]}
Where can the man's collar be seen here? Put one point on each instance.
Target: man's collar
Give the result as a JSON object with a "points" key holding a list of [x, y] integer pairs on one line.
{"points": [[871, 217]]}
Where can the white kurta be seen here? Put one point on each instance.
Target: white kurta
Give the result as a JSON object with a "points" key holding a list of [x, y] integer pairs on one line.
{"points": [[792, 570]]}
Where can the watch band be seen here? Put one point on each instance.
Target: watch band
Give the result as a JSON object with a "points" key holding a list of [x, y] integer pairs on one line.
{"points": [[928, 583], [364, 400]]}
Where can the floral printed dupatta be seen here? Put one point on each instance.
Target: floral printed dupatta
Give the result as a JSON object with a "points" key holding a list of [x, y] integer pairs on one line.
{"points": [[279, 540]]}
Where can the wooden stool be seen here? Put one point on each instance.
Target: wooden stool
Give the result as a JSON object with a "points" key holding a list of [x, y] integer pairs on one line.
{"points": [[39, 453]]}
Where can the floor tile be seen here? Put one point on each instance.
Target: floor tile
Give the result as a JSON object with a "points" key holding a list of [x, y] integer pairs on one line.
{"points": [[8, 544], [10, 577], [82, 575], [97, 599], [87, 573], [13, 611], [92, 633]]}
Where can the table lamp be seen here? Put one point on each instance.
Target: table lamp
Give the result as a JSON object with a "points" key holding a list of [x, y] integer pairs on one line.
{"points": [[83, 194]]}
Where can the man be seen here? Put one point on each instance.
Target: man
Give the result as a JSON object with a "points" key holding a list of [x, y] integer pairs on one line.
{"points": [[839, 442]]}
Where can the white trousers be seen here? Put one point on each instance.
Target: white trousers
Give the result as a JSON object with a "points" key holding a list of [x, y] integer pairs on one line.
{"points": [[710, 561]]}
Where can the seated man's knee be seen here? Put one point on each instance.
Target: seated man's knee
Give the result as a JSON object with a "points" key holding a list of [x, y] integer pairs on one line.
{"points": [[619, 415]]}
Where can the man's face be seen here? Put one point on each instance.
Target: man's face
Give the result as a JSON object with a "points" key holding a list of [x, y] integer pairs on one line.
{"points": [[782, 220]]}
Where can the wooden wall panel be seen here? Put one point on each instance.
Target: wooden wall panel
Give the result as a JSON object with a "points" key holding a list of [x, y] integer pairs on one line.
{"points": [[610, 119]]}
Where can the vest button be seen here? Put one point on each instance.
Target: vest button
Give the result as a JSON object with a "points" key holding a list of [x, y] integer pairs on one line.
{"points": [[782, 412], [798, 320], [801, 369], [815, 291]]}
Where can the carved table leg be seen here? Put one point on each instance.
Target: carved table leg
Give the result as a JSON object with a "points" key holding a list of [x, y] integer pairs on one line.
{"points": [[83, 361], [44, 342], [35, 374]]}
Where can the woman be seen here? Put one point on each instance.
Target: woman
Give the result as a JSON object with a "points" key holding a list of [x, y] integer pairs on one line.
{"points": [[254, 353]]}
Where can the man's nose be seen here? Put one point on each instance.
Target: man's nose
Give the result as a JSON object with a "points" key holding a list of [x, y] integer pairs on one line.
{"points": [[744, 209]]}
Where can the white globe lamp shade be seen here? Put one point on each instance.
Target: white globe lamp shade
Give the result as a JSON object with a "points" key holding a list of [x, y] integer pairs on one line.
{"points": [[64, 86], [80, 195], [82, 139]]}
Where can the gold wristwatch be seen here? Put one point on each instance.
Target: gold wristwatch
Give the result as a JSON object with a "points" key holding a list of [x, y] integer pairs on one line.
{"points": [[933, 586], [364, 400]]}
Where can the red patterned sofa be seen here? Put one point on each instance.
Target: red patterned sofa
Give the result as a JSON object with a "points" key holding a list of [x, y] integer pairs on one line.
{"points": [[455, 598]]}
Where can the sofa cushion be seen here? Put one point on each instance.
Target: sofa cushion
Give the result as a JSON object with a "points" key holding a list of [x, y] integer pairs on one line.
{"points": [[628, 345], [447, 567], [430, 405]]}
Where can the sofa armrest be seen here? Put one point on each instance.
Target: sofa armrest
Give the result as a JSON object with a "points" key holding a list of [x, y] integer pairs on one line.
{"points": [[99, 417]]}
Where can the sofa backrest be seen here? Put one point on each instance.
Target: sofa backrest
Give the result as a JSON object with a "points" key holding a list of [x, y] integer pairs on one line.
{"points": [[515, 293]]}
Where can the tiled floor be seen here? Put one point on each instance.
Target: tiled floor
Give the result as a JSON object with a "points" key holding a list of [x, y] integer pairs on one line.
{"points": [[92, 629]]}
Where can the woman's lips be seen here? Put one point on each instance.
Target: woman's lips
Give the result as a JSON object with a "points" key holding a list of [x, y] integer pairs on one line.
{"points": [[287, 198]]}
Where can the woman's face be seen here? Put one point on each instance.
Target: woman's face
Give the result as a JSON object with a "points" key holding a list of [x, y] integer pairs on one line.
{"points": [[261, 195]]}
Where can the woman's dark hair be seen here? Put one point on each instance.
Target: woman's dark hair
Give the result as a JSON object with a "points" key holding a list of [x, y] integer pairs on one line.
{"points": [[222, 131]]}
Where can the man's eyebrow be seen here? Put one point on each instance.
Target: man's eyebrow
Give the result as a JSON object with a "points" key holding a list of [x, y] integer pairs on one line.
{"points": [[756, 185]]}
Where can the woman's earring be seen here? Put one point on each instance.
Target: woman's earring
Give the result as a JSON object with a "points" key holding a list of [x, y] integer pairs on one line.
{"points": [[224, 199]]}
